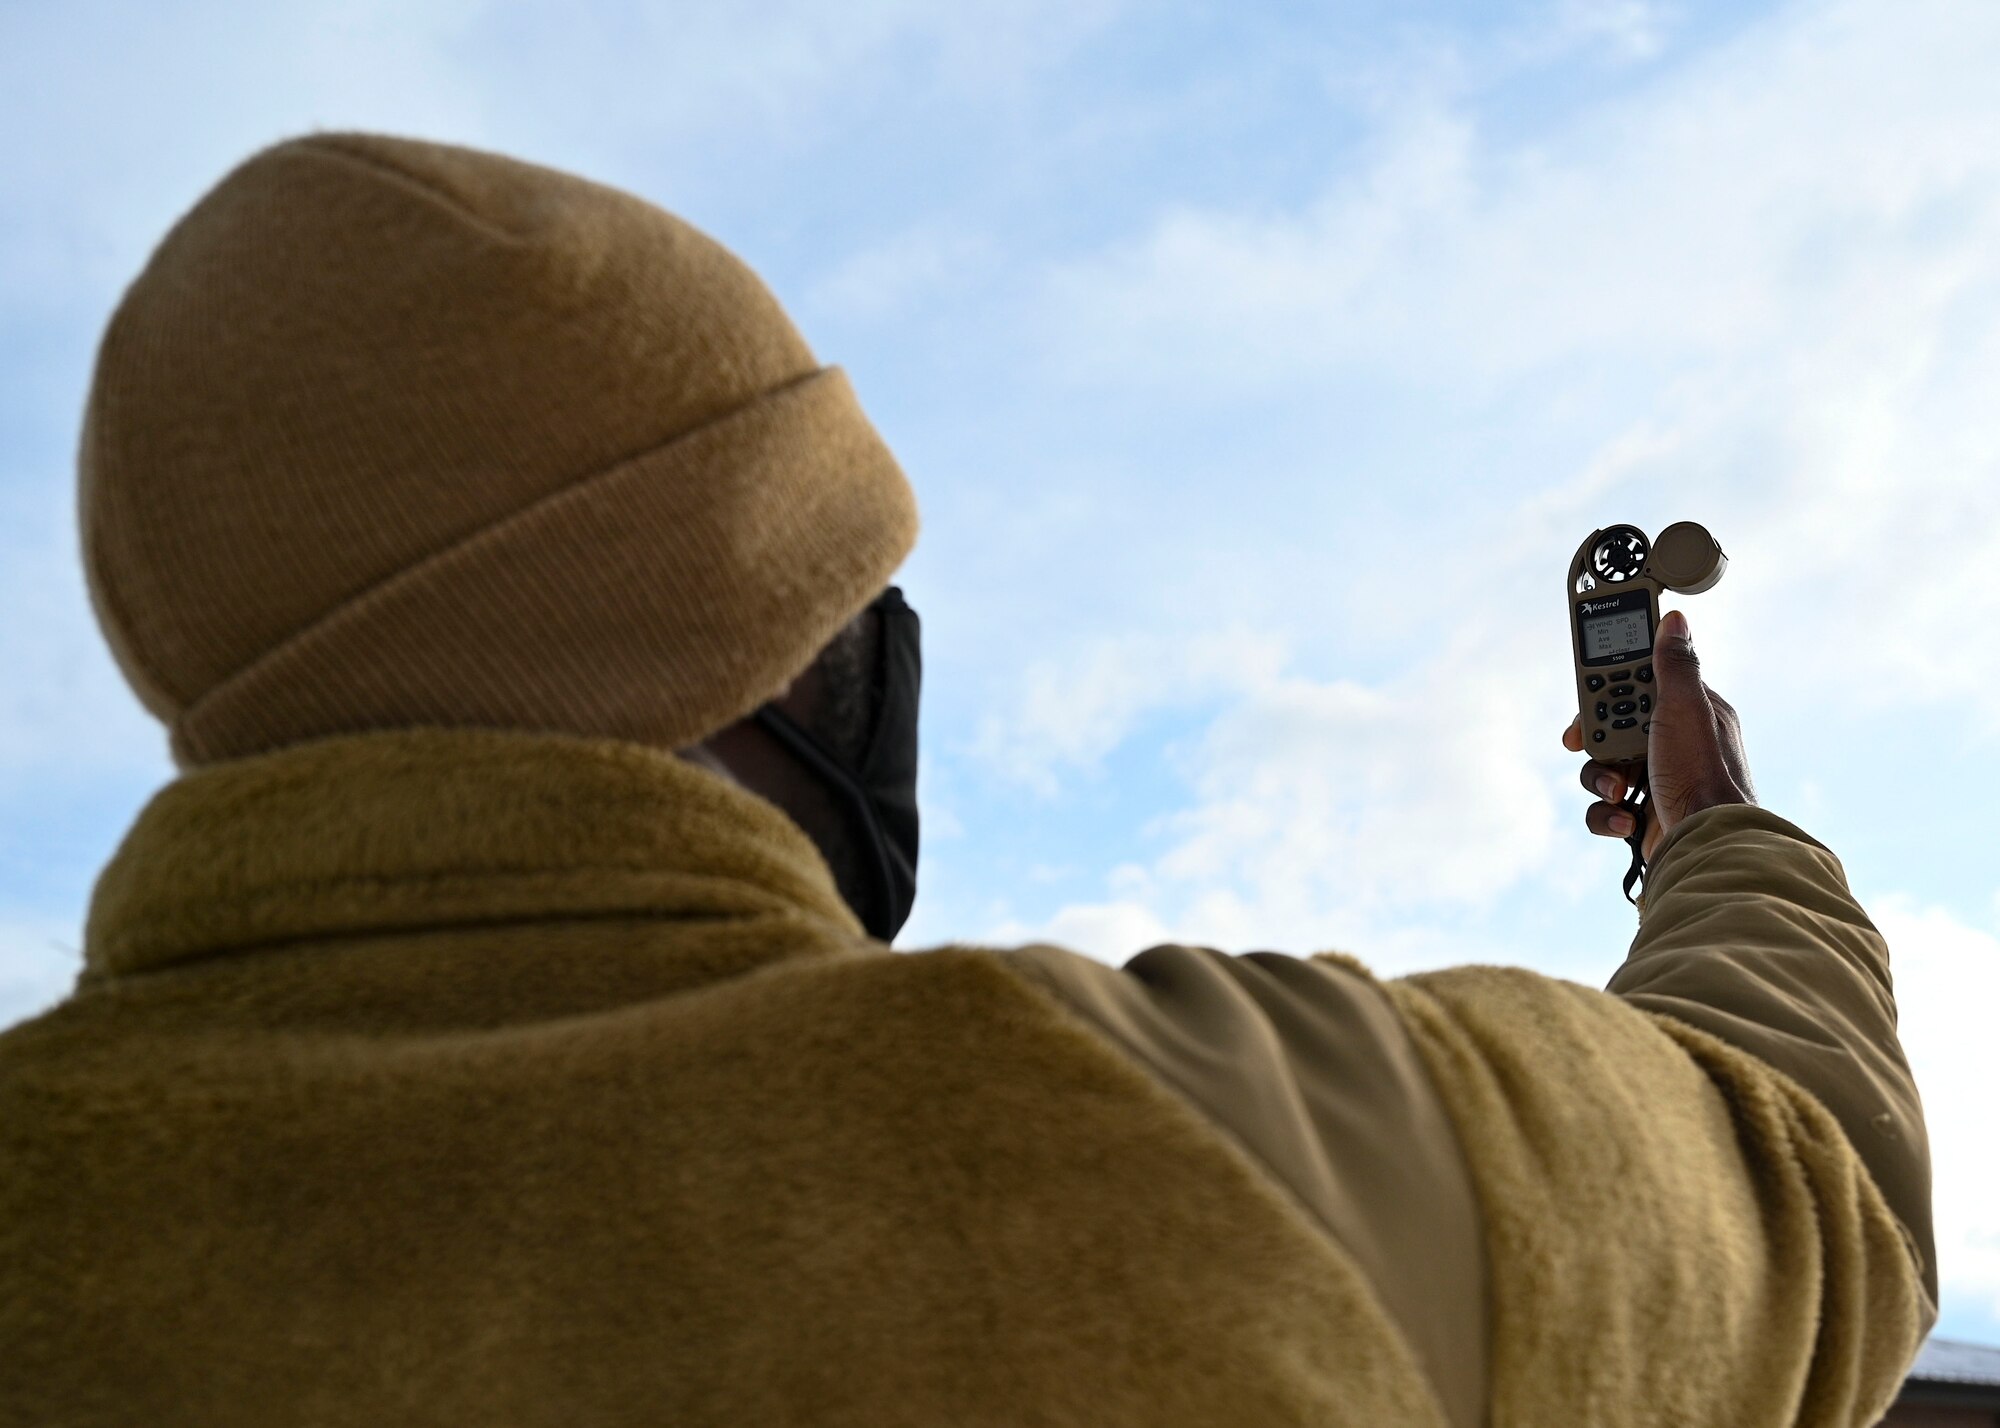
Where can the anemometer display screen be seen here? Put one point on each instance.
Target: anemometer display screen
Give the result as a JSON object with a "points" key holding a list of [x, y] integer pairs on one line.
{"points": [[1614, 636]]}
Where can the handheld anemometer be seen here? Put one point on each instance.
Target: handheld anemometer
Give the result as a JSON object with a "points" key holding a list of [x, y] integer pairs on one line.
{"points": [[1615, 580]]}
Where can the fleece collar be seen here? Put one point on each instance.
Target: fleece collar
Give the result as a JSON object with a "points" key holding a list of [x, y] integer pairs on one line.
{"points": [[411, 829]]}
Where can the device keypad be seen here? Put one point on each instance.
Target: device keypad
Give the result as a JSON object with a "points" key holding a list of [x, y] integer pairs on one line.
{"points": [[1619, 715]]}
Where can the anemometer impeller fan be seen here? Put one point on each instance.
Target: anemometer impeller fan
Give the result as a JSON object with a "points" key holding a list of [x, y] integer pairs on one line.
{"points": [[1620, 555]]}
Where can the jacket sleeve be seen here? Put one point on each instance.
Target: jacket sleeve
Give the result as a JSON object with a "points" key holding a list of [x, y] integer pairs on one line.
{"points": [[1750, 933], [1305, 1065]]}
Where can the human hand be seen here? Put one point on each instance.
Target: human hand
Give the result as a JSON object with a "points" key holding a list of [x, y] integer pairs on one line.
{"points": [[1694, 750]]}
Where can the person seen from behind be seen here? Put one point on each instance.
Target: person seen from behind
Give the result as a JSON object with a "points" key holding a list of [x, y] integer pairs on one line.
{"points": [[494, 1020]]}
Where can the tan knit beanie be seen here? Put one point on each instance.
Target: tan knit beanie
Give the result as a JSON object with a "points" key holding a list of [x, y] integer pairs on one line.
{"points": [[393, 433]]}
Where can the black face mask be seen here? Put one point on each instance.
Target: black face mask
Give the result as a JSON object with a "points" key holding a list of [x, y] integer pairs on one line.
{"points": [[879, 799]]}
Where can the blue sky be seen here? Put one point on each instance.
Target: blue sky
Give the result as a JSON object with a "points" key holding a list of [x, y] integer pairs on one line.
{"points": [[1258, 368]]}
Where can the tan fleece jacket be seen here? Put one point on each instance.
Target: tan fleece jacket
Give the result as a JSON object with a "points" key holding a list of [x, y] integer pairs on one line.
{"points": [[448, 1077]]}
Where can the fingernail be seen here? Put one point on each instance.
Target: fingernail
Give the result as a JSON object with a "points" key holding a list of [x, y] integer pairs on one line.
{"points": [[1607, 786], [1620, 822], [1675, 626]]}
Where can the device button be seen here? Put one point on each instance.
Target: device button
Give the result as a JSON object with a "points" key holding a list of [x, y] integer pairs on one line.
{"points": [[1620, 674], [1597, 736], [1623, 723], [1646, 674], [1619, 691], [1624, 706], [1602, 711], [1596, 682], [1645, 704]]}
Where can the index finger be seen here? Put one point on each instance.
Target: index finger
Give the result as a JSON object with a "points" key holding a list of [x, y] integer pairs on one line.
{"points": [[1573, 735]]}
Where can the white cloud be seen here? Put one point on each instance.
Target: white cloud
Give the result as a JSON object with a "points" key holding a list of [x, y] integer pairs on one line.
{"points": [[1316, 795], [1111, 932], [1701, 215], [1762, 292], [1947, 977], [1337, 814], [1075, 707]]}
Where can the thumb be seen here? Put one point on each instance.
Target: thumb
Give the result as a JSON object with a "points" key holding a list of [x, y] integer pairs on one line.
{"points": [[1680, 753], [1678, 665]]}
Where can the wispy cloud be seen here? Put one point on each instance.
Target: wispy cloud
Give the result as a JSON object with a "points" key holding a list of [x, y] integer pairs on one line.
{"points": [[1700, 217]]}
